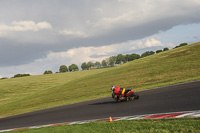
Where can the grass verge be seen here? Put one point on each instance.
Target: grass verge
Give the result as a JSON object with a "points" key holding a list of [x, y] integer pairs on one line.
{"points": [[181, 125]]}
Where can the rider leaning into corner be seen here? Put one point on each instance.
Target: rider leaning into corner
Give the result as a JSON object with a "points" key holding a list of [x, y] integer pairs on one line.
{"points": [[121, 91]]}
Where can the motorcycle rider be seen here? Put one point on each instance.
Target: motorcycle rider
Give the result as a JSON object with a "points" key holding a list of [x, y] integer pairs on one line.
{"points": [[121, 91]]}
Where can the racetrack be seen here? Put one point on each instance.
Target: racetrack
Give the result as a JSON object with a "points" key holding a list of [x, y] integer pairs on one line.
{"points": [[180, 97]]}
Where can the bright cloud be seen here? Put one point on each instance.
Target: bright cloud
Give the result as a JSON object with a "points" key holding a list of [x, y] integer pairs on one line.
{"points": [[17, 26], [141, 44], [152, 43], [73, 33]]}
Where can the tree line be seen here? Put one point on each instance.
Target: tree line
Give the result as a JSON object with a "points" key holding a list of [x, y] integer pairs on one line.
{"points": [[64, 68], [111, 61], [108, 62], [117, 60]]}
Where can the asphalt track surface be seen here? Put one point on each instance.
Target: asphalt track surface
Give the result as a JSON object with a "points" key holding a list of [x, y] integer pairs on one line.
{"points": [[174, 98]]}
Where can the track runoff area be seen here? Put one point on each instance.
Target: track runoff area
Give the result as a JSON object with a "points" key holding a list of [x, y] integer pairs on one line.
{"points": [[184, 114]]}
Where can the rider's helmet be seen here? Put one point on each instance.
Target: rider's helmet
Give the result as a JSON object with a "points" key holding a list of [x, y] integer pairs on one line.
{"points": [[112, 88]]}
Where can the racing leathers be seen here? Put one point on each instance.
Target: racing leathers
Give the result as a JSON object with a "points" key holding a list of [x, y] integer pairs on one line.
{"points": [[123, 92]]}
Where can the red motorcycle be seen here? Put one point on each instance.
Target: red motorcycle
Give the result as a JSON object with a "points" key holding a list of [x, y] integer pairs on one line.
{"points": [[129, 95]]}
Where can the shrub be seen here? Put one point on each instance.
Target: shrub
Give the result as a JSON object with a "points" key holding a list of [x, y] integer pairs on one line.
{"points": [[21, 75], [181, 45], [48, 72], [158, 51], [165, 49]]}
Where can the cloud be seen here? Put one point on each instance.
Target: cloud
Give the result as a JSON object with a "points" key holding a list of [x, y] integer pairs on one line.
{"points": [[54, 60], [21, 26], [152, 43], [134, 13], [132, 45], [124, 0], [73, 33], [82, 25]]}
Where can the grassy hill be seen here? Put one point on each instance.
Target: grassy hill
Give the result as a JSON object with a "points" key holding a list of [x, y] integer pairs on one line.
{"points": [[19, 95]]}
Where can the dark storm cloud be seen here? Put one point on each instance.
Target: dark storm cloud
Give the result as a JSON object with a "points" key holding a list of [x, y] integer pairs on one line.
{"points": [[12, 53]]}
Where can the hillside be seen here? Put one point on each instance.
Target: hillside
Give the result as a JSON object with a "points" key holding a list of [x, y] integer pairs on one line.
{"points": [[26, 94]]}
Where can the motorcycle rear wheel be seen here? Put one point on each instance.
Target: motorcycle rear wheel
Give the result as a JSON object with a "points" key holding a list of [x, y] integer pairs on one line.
{"points": [[136, 96]]}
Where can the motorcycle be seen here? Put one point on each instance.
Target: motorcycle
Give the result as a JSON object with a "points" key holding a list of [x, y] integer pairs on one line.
{"points": [[129, 96]]}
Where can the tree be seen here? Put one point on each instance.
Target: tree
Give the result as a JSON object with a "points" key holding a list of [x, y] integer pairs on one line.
{"points": [[73, 67], [165, 49], [111, 61], [48, 72], [70, 68], [147, 53], [90, 65], [84, 66], [127, 57], [134, 57], [63, 69], [3, 78], [97, 64], [158, 51], [120, 59], [104, 63]]}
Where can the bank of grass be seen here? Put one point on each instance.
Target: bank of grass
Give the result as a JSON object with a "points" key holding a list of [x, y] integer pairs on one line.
{"points": [[26, 94], [181, 125], [15, 90]]}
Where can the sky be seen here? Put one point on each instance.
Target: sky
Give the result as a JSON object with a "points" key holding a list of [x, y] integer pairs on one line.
{"points": [[39, 35]]}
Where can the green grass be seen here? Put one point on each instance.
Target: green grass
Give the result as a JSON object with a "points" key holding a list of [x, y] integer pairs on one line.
{"points": [[182, 125], [20, 95], [18, 89]]}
